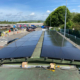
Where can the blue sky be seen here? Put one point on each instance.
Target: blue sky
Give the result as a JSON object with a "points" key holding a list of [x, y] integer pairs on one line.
{"points": [[33, 9]]}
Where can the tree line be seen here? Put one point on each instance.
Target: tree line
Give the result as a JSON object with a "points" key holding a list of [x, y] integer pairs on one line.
{"points": [[57, 18], [14, 22]]}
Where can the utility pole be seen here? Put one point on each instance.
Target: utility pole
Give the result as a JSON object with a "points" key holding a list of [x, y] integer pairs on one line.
{"points": [[65, 19], [50, 16], [50, 20]]}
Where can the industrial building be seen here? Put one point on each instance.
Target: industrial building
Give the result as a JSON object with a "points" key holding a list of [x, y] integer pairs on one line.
{"points": [[2, 26], [29, 24]]}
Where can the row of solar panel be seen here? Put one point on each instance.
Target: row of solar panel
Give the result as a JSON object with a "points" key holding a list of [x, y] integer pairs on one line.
{"points": [[56, 47], [23, 47]]}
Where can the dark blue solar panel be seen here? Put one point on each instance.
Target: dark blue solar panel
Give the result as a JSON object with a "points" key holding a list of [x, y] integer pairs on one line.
{"points": [[28, 43], [55, 46], [15, 44], [51, 52], [33, 39], [5, 52], [23, 47], [22, 52]]}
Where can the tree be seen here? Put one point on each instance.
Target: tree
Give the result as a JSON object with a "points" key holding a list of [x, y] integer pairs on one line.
{"points": [[73, 14], [38, 21], [69, 25], [58, 17], [76, 18]]}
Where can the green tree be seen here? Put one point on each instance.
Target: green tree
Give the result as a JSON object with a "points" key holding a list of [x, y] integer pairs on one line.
{"points": [[38, 21], [76, 18], [58, 17], [73, 14], [69, 25]]}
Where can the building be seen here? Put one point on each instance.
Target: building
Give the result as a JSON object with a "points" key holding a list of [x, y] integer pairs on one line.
{"points": [[29, 24], [6, 26]]}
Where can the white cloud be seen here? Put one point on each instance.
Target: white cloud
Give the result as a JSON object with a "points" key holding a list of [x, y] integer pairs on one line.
{"points": [[48, 11], [32, 14], [17, 15], [78, 6]]}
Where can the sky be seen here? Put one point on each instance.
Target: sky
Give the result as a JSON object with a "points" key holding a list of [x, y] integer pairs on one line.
{"points": [[16, 10]]}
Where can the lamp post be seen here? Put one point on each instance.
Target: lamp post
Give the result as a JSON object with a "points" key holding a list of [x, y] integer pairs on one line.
{"points": [[65, 19]]}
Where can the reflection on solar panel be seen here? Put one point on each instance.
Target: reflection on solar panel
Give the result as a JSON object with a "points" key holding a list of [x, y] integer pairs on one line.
{"points": [[21, 48], [56, 47]]}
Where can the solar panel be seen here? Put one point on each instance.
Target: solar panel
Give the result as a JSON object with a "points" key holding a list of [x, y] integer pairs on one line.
{"points": [[22, 40], [21, 48], [33, 39], [27, 43], [56, 47], [16, 44], [21, 52], [71, 53], [51, 52], [49, 43], [5, 52]]}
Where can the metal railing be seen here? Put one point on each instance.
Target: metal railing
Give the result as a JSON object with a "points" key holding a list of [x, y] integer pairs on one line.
{"points": [[72, 37]]}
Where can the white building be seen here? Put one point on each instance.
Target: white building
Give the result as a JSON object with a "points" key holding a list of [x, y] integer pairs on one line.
{"points": [[36, 24]]}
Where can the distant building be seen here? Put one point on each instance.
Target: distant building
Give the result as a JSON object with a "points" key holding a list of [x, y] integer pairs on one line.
{"points": [[29, 24], [8, 26], [5, 26]]}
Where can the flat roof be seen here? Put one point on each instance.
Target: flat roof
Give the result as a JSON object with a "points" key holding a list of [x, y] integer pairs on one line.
{"points": [[38, 74]]}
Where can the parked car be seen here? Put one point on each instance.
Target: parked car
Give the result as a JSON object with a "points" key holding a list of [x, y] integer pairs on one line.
{"points": [[29, 29], [16, 29], [33, 27]]}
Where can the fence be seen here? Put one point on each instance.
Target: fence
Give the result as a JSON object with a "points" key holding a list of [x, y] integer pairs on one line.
{"points": [[72, 37], [72, 32]]}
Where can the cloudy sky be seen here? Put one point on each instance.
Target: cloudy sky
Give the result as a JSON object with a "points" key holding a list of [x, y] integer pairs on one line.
{"points": [[16, 10]]}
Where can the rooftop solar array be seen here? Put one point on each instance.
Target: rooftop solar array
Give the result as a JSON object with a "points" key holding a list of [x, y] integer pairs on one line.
{"points": [[56, 47], [21, 48]]}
